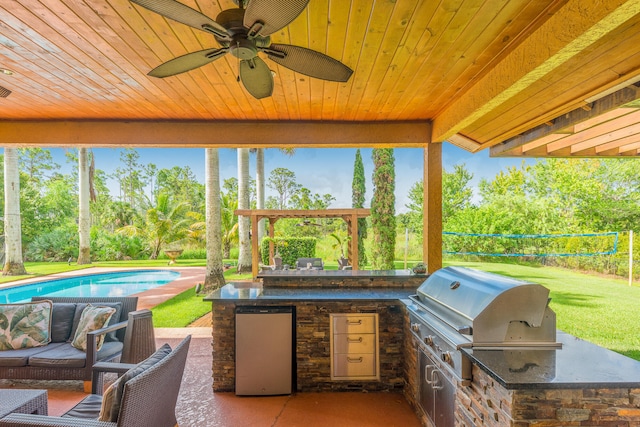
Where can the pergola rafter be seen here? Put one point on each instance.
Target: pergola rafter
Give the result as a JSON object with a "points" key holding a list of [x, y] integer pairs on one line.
{"points": [[349, 215]]}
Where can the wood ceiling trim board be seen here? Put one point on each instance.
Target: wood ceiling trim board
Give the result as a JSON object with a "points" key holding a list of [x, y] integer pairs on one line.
{"points": [[602, 118], [360, 12], [299, 33], [513, 30], [415, 51], [465, 26], [136, 51], [571, 83], [58, 30], [623, 130], [389, 26], [35, 44], [318, 18], [336, 35], [629, 147], [257, 134], [567, 121], [549, 47], [542, 142], [616, 144], [405, 82], [133, 79], [463, 64]]}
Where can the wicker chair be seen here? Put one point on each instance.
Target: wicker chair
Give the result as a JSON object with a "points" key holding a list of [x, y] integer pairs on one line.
{"points": [[149, 399]]}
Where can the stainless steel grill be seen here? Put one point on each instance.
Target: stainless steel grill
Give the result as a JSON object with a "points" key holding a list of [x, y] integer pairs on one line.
{"points": [[458, 307]]}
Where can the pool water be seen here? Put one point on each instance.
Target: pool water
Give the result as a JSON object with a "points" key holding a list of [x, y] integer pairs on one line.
{"points": [[93, 285]]}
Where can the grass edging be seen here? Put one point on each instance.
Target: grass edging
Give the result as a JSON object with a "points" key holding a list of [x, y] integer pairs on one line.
{"points": [[180, 311]]}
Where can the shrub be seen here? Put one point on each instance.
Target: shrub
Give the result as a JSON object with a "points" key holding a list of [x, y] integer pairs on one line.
{"points": [[290, 249]]}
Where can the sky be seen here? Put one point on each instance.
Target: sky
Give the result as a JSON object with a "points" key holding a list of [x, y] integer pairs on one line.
{"points": [[323, 171]]}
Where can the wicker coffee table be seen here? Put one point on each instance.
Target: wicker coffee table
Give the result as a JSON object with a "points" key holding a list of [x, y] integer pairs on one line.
{"points": [[23, 401]]}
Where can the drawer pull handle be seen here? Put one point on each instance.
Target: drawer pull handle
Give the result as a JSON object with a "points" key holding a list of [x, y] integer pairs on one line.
{"points": [[354, 322], [359, 339], [354, 359]]}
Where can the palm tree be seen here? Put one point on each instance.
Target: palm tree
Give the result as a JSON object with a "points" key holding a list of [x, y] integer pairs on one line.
{"points": [[244, 256], [229, 222], [13, 265], [84, 217], [164, 223], [214, 276]]}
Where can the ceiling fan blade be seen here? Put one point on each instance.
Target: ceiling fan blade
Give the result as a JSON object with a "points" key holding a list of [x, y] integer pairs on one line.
{"points": [[256, 77], [272, 14], [187, 62], [309, 62], [182, 13]]}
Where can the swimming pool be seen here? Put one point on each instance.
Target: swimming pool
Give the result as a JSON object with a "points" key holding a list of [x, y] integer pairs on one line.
{"points": [[116, 284]]}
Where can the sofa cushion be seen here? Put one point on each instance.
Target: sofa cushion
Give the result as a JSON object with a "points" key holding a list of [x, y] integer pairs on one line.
{"points": [[25, 325], [17, 358], [110, 336], [62, 321], [67, 356], [93, 318], [111, 414]]}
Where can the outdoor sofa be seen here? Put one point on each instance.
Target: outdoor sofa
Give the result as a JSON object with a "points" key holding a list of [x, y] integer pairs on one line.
{"points": [[144, 396], [128, 334]]}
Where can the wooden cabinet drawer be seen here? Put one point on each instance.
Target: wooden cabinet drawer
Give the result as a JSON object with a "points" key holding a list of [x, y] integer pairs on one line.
{"points": [[354, 343], [354, 324], [354, 365]]}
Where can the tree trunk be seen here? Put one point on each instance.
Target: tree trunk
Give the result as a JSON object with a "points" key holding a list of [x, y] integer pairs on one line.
{"points": [[84, 217], [260, 190], [13, 265], [214, 276], [244, 257]]}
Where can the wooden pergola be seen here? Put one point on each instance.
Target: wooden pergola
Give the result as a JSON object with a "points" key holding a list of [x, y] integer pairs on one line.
{"points": [[350, 216]]}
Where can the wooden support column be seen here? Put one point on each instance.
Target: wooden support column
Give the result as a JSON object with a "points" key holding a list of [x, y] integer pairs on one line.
{"points": [[255, 255], [355, 256], [272, 223], [432, 207]]}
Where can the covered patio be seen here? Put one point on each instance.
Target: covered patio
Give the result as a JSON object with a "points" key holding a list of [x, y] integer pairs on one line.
{"points": [[546, 78]]}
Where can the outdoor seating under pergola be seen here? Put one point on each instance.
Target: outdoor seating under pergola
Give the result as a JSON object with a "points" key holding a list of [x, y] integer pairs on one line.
{"points": [[349, 215]]}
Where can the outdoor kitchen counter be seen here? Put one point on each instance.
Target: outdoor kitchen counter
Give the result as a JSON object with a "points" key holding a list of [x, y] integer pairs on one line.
{"points": [[243, 291], [578, 364]]}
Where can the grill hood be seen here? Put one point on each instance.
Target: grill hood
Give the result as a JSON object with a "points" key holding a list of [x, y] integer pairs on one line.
{"points": [[492, 310]]}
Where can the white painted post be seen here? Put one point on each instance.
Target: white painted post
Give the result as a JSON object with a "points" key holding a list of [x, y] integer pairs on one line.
{"points": [[630, 257]]}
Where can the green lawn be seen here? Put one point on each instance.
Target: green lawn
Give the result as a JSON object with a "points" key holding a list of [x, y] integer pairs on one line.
{"points": [[599, 309]]}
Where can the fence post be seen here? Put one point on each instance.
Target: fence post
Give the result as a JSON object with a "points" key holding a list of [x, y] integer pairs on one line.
{"points": [[630, 257]]}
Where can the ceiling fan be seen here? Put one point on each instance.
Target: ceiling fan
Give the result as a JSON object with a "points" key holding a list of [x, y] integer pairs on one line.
{"points": [[243, 32]]}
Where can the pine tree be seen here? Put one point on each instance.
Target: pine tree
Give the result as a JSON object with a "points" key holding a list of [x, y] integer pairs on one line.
{"points": [[358, 190], [383, 220]]}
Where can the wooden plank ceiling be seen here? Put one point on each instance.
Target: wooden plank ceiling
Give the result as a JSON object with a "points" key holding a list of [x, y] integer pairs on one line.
{"points": [[477, 73]]}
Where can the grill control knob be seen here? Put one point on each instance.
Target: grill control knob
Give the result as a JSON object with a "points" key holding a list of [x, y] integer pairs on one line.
{"points": [[428, 340], [447, 358], [415, 327]]}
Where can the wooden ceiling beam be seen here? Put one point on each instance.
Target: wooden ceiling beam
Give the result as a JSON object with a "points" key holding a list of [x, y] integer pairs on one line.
{"points": [[222, 134], [551, 46]]}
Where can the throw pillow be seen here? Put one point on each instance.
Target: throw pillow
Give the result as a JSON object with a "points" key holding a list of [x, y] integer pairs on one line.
{"points": [[147, 363], [107, 403], [25, 325], [92, 318]]}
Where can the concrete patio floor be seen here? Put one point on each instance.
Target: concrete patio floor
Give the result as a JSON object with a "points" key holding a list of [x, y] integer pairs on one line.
{"points": [[198, 406]]}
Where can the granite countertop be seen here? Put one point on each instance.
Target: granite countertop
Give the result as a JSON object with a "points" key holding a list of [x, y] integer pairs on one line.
{"points": [[243, 291], [332, 274], [578, 364]]}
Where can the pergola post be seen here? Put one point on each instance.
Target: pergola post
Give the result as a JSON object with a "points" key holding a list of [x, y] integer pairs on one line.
{"points": [[432, 207]]}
